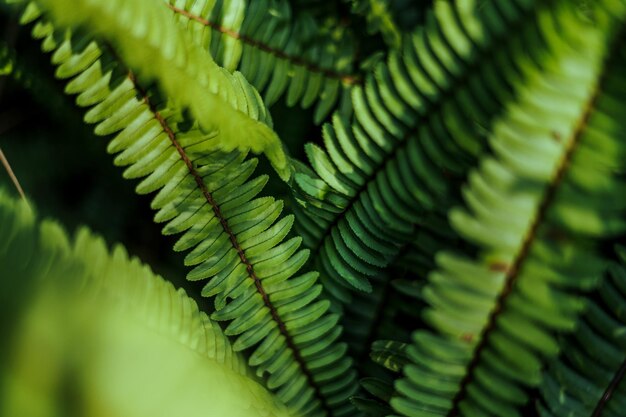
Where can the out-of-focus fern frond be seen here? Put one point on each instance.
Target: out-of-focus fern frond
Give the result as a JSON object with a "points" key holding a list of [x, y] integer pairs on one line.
{"points": [[122, 339], [537, 208]]}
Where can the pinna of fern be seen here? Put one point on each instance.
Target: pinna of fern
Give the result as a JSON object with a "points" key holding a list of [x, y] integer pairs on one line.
{"points": [[234, 238]]}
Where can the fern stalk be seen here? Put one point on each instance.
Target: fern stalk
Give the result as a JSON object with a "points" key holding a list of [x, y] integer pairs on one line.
{"points": [[610, 390]]}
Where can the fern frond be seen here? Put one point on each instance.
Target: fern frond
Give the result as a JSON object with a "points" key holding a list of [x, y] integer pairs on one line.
{"points": [[153, 45], [235, 240], [537, 209], [280, 52], [585, 380], [418, 125], [84, 292]]}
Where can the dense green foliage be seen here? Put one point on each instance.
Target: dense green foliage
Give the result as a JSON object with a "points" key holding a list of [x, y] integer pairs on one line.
{"points": [[452, 249], [99, 307]]}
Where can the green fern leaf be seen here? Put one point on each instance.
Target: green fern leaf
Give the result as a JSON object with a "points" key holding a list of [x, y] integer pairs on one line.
{"points": [[495, 316], [418, 125], [100, 317]]}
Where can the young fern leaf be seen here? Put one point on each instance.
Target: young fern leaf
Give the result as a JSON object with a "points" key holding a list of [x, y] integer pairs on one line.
{"points": [[235, 239], [279, 52], [586, 379], [149, 41], [96, 302], [417, 127], [537, 209]]}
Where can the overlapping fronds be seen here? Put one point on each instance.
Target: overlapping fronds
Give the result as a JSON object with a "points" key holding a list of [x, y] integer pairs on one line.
{"points": [[587, 379], [235, 240], [279, 52], [81, 290], [468, 188], [536, 208], [382, 321], [418, 125], [392, 309], [150, 42]]}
